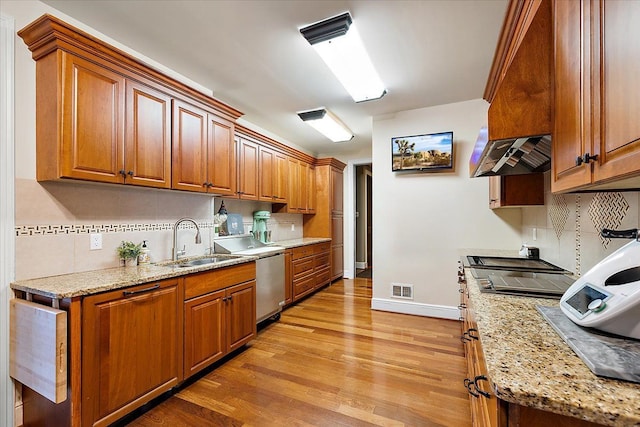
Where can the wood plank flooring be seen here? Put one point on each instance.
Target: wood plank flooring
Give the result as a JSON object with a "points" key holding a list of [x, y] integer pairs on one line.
{"points": [[332, 361]]}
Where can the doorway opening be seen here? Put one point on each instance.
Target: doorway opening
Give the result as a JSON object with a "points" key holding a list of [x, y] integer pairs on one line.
{"points": [[364, 221]]}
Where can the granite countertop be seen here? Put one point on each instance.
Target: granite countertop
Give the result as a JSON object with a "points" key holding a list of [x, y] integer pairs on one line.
{"points": [[529, 363], [96, 281], [93, 282], [304, 241]]}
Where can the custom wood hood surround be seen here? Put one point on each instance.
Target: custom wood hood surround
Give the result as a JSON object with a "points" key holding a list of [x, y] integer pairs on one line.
{"points": [[566, 71], [520, 82]]}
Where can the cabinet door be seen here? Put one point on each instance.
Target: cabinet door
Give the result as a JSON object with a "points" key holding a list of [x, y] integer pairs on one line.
{"points": [[221, 157], [311, 190], [572, 130], [93, 121], [241, 314], [516, 190], [280, 180], [616, 89], [337, 247], [204, 337], [148, 136], [293, 196], [303, 190], [131, 349], [266, 170], [248, 173], [337, 195], [189, 150], [288, 278]]}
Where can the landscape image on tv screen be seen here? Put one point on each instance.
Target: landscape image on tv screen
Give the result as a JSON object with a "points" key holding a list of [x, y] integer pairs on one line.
{"points": [[422, 152]]}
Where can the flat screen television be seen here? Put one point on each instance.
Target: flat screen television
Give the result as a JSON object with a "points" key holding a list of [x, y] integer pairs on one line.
{"points": [[427, 152]]}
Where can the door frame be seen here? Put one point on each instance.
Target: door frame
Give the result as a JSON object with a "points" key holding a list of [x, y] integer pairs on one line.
{"points": [[7, 209], [350, 215]]}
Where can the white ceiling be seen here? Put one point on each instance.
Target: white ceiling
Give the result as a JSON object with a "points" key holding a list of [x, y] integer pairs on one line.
{"points": [[251, 54]]}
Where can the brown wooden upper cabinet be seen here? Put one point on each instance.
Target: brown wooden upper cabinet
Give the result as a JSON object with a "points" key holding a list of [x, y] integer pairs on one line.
{"points": [[596, 140], [516, 190], [248, 175], [203, 151], [81, 133], [103, 115], [280, 181]]}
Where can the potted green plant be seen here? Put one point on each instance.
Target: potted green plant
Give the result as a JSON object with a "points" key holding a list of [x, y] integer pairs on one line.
{"points": [[128, 252]]}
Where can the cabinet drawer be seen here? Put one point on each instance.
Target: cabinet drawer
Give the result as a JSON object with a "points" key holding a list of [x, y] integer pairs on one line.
{"points": [[303, 267], [302, 252], [321, 247], [303, 285], [323, 276], [321, 261], [209, 281]]}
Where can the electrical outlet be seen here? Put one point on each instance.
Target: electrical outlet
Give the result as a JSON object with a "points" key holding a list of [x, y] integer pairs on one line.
{"points": [[95, 241], [293, 227], [535, 234]]}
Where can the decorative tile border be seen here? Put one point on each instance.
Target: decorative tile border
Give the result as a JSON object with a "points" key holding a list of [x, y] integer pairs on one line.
{"points": [[41, 230]]}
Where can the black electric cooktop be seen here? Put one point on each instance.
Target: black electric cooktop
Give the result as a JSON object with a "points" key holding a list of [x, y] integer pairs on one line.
{"points": [[518, 276]]}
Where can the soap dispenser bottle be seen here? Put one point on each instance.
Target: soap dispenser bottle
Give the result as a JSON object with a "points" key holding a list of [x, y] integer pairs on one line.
{"points": [[145, 254]]}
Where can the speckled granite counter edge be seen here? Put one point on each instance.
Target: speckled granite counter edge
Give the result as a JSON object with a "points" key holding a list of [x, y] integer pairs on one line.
{"points": [[529, 364], [305, 241], [97, 281]]}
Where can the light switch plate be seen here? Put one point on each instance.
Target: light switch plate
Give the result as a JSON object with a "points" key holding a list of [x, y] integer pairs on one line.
{"points": [[96, 241]]}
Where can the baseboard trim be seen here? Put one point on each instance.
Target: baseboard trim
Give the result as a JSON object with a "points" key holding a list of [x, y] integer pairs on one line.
{"points": [[418, 309]]}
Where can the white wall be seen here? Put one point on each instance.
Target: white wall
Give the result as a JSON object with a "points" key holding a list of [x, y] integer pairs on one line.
{"points": [[422, 220]]}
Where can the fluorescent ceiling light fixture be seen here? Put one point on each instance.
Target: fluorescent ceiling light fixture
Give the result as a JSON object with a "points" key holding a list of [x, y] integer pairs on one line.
{"points": [[338, 43], [327, 124]]}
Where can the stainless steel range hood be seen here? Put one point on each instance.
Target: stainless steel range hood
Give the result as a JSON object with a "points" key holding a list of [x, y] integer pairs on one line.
{"points": [[513, 156]]}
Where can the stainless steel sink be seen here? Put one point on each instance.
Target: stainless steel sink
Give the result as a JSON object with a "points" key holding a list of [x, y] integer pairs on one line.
{"points": [[201, 261]]}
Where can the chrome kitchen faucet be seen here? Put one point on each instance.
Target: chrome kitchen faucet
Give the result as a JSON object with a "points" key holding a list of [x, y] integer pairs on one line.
{"points": [[178, 253]]}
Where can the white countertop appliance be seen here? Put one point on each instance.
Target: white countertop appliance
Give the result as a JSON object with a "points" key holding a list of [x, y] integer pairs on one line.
{"points": [[607, 297]]}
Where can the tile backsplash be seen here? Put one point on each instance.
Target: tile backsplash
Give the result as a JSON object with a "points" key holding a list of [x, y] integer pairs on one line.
{"points": [[54, 222], [567, 227]]}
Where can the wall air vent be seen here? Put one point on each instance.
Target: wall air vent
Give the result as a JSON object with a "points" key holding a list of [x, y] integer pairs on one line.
{"points": [[401, 290]]}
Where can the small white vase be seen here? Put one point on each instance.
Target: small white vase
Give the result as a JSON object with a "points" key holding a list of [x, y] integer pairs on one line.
{"points": [[131, 262]]}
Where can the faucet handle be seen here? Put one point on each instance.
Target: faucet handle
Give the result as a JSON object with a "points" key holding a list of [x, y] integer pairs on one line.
{"points": [[181, 252]]}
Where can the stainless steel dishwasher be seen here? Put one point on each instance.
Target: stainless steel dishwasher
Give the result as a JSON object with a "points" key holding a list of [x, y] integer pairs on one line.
{"points": [[269, 272]]}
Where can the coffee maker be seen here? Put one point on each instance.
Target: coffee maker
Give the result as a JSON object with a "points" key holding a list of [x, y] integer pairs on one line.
{"points": [[259, 230]]}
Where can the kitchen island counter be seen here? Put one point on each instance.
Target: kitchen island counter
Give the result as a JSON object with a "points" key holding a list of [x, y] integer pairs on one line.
{"points": [[529, 364], [96, 281]]}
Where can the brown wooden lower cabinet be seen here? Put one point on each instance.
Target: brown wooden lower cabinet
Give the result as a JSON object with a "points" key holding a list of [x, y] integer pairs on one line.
{"points": [[219, 314], [487, 410], [310, 268], [131, 348]]}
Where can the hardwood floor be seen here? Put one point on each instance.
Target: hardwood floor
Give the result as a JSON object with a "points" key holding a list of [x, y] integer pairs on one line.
{"points": [[332, 361]]}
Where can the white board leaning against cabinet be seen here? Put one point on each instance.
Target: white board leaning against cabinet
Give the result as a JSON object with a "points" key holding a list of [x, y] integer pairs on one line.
{"points": [[38, 349]]}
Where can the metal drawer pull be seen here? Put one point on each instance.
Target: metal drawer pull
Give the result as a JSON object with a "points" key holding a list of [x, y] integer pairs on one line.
{"points": [[140, 291], [468, 383], [482, 392], [475, 337]]}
